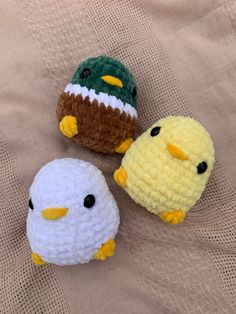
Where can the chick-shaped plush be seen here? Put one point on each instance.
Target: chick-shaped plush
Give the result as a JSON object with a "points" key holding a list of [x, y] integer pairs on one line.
{"points": [[166, 169], [97, 108], [72, 216]]}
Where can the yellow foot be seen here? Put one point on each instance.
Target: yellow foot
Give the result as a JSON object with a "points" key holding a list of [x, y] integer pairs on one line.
{"points": [[106, 250], [173, 217], [120, 176], [68, 126], [37, 259], [124, 146]]}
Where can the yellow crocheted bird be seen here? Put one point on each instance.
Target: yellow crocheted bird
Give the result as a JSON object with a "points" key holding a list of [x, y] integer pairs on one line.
{"points": [[167, 168]]}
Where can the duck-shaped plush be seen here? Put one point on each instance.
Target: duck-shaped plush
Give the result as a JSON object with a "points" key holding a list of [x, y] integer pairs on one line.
{"points": [[166, 169], [97, 108], [73, 217]]}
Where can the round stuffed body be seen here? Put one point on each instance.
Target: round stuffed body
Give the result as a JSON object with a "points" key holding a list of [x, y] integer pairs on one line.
{"points": [[97, 108], [166, 169], [73, 216]]}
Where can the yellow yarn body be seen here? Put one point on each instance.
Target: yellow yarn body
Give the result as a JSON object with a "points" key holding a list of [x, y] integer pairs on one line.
{"points": [[158, 178]]}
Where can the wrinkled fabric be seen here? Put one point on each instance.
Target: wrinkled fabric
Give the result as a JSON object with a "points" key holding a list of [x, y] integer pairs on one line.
{"points": [[183, 57]]}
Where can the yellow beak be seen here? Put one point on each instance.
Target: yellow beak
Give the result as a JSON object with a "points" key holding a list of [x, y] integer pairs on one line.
{"points": [[111, 80], [54, 213], [176, 152]]}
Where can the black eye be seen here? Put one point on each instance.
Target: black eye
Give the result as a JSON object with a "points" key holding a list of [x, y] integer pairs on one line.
{"points": [[85, 73], [89, 201], [31, 204], [155, 131], [202, 167], [134, 92]]}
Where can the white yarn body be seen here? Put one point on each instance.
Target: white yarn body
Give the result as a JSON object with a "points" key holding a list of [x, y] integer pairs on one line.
{"points": [[76, 237]]}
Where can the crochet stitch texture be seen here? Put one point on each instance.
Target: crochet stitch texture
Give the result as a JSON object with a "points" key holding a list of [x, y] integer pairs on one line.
{"points": [[101, 96], [166, 169], [73, 215]]}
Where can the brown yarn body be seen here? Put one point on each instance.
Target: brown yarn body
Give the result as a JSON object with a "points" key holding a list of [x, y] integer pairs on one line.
{"points": [[100, 128]]}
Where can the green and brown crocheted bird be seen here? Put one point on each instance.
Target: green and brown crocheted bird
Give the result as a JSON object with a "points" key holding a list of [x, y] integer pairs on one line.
{"points": [[97, 108]]}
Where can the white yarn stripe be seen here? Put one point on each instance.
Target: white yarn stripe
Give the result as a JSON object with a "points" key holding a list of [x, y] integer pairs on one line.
{"points": [[107, 100]]}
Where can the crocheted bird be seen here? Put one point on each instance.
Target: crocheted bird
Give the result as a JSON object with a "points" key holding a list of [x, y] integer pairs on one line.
{"points": [[97, 108], [166, 169], [72, 216]]}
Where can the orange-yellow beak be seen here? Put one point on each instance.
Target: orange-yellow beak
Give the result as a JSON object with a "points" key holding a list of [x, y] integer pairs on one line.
{"points": [[54, 213], [176, 152], [112, 80]]}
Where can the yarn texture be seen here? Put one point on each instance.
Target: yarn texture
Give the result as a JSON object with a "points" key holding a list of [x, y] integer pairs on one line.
{"points": [[160, 170], [102, 97], [73, 216], [103, 66]]}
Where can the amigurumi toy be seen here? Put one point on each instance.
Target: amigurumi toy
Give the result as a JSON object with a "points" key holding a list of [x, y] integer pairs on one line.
{"points": [[72, 216], [166, 169], [97, 108]]}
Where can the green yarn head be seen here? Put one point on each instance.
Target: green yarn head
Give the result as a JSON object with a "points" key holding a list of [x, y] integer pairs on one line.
{"points": [[93, 73]]}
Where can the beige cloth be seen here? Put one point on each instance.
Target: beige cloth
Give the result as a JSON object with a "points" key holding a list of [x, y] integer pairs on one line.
{"points": [[178, 50]]}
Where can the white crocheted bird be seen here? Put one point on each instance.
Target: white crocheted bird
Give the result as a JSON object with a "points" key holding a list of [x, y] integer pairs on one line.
{"points": [[73, 216]]}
